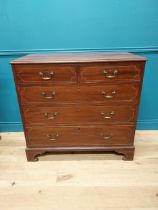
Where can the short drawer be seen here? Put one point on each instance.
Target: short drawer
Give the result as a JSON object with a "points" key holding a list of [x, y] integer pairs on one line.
{"points": [[110, 72], [79, 115], [71, 94], [79, 136], [45, 73]]}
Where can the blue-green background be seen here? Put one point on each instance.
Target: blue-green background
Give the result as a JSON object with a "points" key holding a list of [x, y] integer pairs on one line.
{"points": [[49, 26]]}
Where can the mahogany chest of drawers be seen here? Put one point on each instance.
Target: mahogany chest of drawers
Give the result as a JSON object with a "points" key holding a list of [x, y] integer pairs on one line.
{"points": [[79, 102]]}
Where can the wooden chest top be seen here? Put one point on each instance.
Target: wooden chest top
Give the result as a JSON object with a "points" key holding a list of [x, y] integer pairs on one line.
{"points": [[78, 57]]}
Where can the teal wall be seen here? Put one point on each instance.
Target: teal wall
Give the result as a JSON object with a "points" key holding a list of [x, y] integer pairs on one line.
{"points": [[49, 26]]}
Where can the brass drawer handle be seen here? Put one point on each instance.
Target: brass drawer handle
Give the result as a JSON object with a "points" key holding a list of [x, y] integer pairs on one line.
{"points": [[53, 137], [110, 74], [106, 136], [45, 75], [44, 94], [52, 117], [105, 94], [108, 115]]}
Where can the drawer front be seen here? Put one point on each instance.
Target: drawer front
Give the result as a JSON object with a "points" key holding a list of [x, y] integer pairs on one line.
{"points": [[87, 94], [79, 115], [112, 72], [79, 136], [45, 73]]}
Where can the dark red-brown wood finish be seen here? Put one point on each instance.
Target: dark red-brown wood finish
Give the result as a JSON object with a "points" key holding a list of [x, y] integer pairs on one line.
{"points": [[79, 102]]}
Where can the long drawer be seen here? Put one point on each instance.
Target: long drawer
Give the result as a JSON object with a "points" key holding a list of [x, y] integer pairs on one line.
{"points": [[79, 136], [79, 115], [73, 94]]}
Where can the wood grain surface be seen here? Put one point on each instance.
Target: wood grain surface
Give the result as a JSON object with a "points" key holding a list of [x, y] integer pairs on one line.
{"points": [[80, 57], [79, 181]]}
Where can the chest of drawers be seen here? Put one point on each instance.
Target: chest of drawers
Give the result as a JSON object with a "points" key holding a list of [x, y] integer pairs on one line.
{"points": [[79, 102]]}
